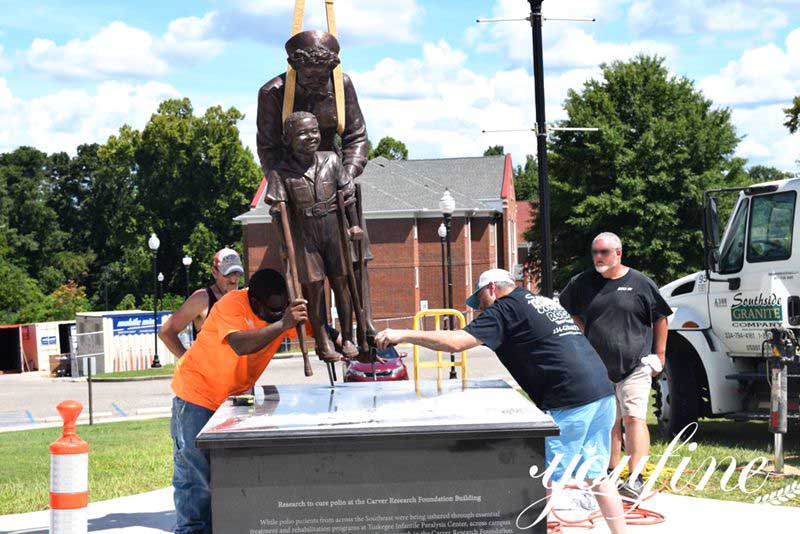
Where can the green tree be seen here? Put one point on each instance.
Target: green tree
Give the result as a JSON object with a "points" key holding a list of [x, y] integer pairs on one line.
{"points": [[21, 298], [763, 173], [112, 213], [793, 116], [128, 302], [201, 246], [66, 301], [33, 229], [661, 143], [168, 302], [389, 148], [526, 180], [190, 170], [496, 150]]}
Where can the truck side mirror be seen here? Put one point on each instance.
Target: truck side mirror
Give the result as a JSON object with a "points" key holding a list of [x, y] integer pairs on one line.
{"points": [[712, 223], [711, 232]]}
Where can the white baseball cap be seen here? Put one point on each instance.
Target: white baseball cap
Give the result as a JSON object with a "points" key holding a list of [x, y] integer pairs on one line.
{"points": [[227, 261], [488, 277]]}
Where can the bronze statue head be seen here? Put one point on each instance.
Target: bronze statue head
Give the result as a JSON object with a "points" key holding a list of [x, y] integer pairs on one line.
{"points": [[301, 133], [314, 55], [313, 48]]}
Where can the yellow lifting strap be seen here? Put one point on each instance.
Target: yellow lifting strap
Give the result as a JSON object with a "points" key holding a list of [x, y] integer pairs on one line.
{"points": [[439, 364], [291, 75]]}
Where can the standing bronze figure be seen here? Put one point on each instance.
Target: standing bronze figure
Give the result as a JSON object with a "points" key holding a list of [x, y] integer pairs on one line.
{"points": [[314, 55], [305, 186]]}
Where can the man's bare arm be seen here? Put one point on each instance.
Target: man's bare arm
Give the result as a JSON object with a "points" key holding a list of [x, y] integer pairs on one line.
{"points": [[660, 331], [247, 342], [179, 320], [444, 340], [579, 322]]}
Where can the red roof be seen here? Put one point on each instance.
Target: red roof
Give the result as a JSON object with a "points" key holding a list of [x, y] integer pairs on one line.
{"points": [[254, 202], [508, 178]]}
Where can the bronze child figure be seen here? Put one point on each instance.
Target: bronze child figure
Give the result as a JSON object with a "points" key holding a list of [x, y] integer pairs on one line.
{"points": [[308, 181]]}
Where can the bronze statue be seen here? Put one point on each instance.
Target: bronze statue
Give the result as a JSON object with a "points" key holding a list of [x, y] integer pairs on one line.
{"points": [[309, 182], [314, 55]]}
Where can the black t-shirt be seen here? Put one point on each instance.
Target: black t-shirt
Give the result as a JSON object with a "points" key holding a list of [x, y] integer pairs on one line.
{"points": [[543, 349], [618, 314]]}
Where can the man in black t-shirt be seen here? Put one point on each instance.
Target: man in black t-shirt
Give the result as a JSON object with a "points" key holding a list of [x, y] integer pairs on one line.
{"points": [[545, 352], [624, 316]]}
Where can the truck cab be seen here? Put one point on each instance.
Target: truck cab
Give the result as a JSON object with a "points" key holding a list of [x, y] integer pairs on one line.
{"points": [[716, 366]]}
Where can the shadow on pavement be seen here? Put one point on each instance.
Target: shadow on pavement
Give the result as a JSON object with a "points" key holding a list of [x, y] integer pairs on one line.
{"points": [[163, 521]]}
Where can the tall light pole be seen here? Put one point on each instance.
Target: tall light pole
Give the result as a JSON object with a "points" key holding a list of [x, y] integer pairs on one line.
{"points": [[160, 289], [541, 148], [448, 205], [187, 262], [442, 236], [153, 243], [535, 20]]}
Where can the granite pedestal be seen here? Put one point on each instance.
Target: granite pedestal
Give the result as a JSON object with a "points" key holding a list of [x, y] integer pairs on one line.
{"points": [[378, 457]]}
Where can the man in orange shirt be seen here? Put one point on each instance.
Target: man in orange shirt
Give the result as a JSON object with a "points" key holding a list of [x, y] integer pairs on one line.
{"points": [[238, 339]]}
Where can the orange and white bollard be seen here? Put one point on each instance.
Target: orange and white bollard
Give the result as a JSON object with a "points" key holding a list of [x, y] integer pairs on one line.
{"points": [[69, 476]]}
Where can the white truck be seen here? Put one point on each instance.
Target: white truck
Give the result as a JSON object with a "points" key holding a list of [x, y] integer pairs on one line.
{"points": [[734, 324]]}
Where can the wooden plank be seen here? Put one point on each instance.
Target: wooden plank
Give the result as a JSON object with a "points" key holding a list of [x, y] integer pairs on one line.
{"points": [[338, 79], [291, 75]]}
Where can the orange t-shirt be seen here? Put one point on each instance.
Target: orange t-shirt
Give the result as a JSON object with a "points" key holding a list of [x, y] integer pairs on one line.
{"points": [[210, 371]]}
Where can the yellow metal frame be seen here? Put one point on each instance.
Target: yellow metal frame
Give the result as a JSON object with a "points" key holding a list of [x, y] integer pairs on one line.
{"points": [[439, 364]]}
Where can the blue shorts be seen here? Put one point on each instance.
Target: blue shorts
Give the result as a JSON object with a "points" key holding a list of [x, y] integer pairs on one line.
{"points": [[585, 438]]}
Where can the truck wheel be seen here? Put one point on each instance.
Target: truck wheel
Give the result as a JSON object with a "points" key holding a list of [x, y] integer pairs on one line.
{"points": [[677, 402]]}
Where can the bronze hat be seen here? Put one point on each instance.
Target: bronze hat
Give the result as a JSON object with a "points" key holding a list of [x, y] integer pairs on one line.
{"points": [[311, 39]]}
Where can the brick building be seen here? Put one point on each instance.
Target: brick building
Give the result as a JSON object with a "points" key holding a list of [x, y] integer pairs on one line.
{"points": [[401, 205]]}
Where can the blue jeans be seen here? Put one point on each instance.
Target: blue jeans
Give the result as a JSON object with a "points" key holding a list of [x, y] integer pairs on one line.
{"points": [[585, 438], [191, 476]]}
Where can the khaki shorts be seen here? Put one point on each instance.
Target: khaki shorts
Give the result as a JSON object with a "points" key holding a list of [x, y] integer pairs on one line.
{"points": [[633, 393]]}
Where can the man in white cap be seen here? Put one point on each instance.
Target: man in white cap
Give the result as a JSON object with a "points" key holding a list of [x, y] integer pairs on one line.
{"points": [[546, 353], [226, 270]]}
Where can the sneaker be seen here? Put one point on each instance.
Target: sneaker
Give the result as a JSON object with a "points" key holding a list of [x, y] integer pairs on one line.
{"points": [[632, 489], [584, 500], [574, 499]]}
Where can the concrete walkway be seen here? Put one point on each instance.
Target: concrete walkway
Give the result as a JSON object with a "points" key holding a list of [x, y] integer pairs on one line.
{"points": [[146, 513], [153, 512]]}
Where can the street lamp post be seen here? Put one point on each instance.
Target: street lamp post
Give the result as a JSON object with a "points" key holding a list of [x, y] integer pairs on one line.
{"points": [[187, 262], [448, 205], [442, 236], [161, 290], [153, 243], [541, 148]]}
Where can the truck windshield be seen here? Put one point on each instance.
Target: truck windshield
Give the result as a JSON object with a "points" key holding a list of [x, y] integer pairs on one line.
{"points": [[731, 257], [771, 221]]}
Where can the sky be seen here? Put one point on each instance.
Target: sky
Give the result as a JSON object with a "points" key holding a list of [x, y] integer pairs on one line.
{"points": [[425, 72]]}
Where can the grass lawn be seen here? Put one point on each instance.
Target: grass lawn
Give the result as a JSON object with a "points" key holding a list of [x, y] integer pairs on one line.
{"points": [[722, 438], [166, 370], [124, 459]]}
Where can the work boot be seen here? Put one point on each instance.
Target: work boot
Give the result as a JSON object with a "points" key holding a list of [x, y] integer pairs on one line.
{"points": [[632, 489]]}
